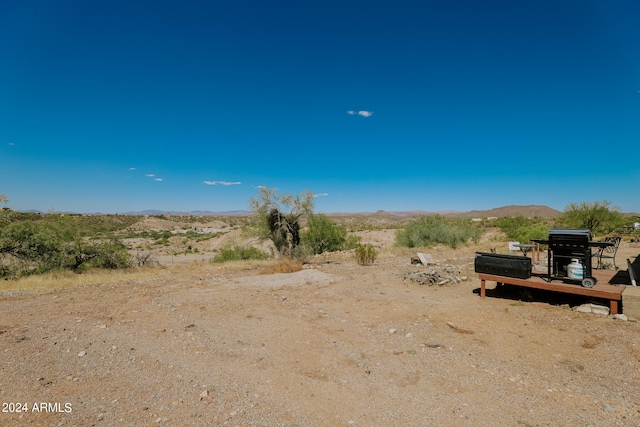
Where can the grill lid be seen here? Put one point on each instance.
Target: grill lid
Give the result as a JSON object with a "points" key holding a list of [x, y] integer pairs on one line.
{"points": [[571, 231]]}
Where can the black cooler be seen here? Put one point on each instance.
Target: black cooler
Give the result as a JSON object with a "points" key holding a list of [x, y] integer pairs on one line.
{"points": [[503, 265]]}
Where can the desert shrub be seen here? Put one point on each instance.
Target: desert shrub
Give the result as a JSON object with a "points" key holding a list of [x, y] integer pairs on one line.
{"points": [[69, 226], [238, 253], [278, 217], [34, 245], [37, 247], [598, 217], [427, 230], [511, 224], [302, 252], [111, 254], [526, 233], [521, 229], [323, 235], [365, 254], [143, 259]]}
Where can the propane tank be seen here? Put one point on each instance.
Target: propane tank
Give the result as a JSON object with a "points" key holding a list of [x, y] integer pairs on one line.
{"points": [[575, 270]]}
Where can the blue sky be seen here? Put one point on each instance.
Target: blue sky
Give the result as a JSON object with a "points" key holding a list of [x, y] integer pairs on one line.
{"points": [[115, 106]]}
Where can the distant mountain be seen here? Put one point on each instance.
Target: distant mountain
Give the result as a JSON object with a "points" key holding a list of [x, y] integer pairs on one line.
{"points": [[505, 211], [512, 210], [194, 213], [528, 211]]}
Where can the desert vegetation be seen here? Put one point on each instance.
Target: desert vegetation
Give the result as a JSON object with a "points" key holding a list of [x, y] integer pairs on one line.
{"points": [[296, 231], [429, 230], [33, 243]]}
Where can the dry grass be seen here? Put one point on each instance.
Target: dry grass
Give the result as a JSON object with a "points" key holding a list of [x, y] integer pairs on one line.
{"points": [[66, 279], [284, 265]]}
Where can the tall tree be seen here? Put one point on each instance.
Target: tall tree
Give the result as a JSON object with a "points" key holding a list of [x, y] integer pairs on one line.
{"points": [[278, 216], [598, 217]]}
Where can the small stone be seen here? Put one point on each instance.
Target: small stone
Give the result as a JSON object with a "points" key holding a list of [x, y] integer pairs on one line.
{"points": [[584, 308], [82, 353], [599, 309], [608, 407], [409, 335], [205, 393], [620, 316], [159, 419], [392, 331]]}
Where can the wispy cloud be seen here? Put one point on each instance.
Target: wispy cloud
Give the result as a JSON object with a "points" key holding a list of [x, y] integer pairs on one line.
{"points": [[12, 144], [132, 169], [363, 113], [320, 195], [158, 179], [150, 175], [225, 183]]}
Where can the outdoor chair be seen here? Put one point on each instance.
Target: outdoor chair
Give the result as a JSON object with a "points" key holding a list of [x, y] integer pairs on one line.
{"points": [[608, 252]]}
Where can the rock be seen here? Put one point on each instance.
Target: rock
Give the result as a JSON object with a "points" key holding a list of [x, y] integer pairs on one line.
{"points": [[392, 331], [435, 276], [205, 393], [82, 353], [607, 407], [599, 309], [584, 308], [593, 308], [620, 316]]}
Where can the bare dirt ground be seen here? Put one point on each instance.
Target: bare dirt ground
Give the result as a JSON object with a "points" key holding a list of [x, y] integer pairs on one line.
{"points": [[335, 345]]}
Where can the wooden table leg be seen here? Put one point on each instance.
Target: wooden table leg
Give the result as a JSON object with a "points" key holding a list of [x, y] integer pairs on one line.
{"points": [[613, 306], [483, 290]]}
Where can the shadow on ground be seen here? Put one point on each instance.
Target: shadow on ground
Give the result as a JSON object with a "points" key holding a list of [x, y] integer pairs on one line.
{"points": [[518, 293]]}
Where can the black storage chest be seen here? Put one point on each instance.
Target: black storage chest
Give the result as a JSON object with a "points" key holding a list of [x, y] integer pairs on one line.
{"points": [[503, 265]]}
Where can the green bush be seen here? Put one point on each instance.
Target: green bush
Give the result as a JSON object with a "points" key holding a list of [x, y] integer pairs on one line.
{"points": [[526, 233], [598, 217], [112, 254], [238, 253], [521, 229], [35, 245], [323, 235], [511, 224], [428, 230], [366, 254], [38, 247]]}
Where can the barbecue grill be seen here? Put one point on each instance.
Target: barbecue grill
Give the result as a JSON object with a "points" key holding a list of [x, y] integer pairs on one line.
{"points": [[565, 245]]}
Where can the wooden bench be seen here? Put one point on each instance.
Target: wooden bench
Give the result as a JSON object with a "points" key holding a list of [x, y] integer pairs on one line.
{"points": [[602, 289]]}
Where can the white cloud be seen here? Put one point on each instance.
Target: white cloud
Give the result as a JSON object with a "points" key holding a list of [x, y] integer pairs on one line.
{"points": [[320, 195], [150, 175], [12, 144], [225, 183], [158, 179], [132, 169], [363, 113]]}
